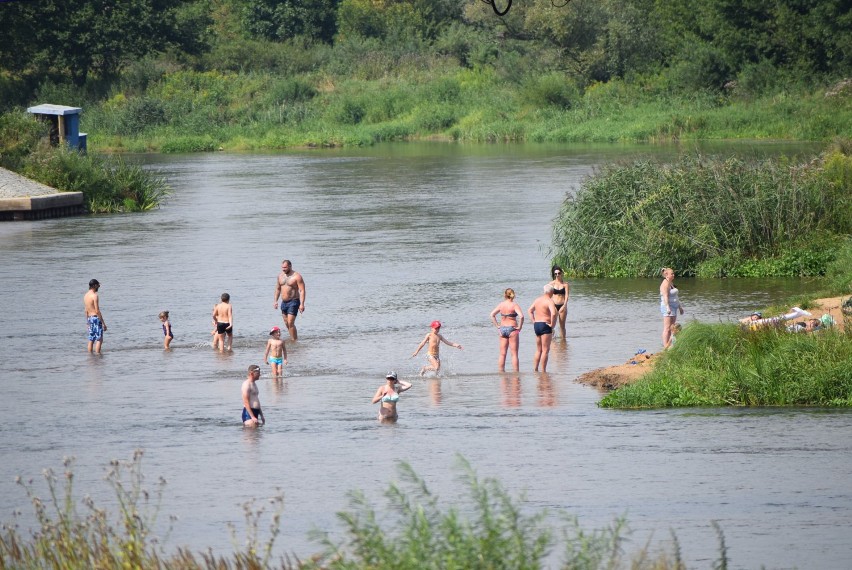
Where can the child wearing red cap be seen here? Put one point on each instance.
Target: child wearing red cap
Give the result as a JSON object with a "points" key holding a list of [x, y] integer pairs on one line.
{"points": [[276, 352], [434, 338]]}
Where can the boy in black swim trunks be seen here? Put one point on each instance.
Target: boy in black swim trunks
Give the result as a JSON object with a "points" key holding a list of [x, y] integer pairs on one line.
{"points": [[223, 316]]}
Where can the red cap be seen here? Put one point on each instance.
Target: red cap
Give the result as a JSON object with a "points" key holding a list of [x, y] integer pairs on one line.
{"points": [[436, 324], [274, 330]]}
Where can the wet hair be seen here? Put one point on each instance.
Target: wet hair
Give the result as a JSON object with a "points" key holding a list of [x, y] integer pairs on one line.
{"points": [[94, 283], [548, 288], [554, 269], [509, 293], [225, 297], [164, 315]]}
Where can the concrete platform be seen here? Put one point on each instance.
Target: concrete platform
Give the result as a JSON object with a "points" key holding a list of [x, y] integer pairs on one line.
{"points": [[25, 199]]}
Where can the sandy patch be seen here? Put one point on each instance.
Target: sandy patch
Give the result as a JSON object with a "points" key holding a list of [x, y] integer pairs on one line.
{"points": [[612, 377]]}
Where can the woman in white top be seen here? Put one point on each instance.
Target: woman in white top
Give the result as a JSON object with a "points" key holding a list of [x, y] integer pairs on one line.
{"points": [[669, 304]]}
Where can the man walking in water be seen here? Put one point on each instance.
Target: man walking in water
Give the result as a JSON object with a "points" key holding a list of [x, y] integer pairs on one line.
{"points": [[543, 314], [94, 318], [291, 289]]}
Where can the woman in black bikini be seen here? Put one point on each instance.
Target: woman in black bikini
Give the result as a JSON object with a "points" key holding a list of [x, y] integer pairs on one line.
{"points": [[560, 296]]}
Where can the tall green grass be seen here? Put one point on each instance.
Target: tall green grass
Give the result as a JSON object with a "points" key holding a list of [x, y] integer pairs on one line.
{"points": [[109, 184], [490, 530], [726, 365], [272, 94], [708, 217]]}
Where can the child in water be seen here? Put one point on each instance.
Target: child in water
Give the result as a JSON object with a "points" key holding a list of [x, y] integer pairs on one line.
{"points": [[276, 352], [434, 338], [167, 330]]}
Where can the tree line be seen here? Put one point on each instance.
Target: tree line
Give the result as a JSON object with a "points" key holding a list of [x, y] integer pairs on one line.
{"points": [[688, 45]]}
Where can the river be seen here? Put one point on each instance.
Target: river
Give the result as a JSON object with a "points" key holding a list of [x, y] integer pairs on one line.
{"points": [[388, 239]]}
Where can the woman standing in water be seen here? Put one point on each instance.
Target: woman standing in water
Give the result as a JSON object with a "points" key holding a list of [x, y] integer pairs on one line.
{"points": [[511, 322], [560, 296], [669, 304], [388, 395]]}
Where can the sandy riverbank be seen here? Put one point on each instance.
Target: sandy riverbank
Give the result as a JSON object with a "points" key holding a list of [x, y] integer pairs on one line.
{"points": [[612, 377]]}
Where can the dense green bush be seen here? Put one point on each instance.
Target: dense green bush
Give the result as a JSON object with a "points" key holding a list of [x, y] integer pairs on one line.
{"points": [[708, 217], [109, 184], [20, 133], [550, 89]]}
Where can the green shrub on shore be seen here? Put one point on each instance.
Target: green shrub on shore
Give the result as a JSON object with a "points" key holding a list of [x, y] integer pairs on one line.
{"points": [[490, 530], [708, 217], [109, 184], [727, 365], [20, 134]]}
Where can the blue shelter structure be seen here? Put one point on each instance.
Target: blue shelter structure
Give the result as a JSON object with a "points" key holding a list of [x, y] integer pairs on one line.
{"points": [[65, 124]]}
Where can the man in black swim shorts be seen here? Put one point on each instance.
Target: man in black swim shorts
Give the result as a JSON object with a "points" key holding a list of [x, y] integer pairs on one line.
{"points": [[543, 314]]}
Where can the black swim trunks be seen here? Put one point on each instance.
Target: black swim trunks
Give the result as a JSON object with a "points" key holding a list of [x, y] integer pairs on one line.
{"points": [[542, 328]]}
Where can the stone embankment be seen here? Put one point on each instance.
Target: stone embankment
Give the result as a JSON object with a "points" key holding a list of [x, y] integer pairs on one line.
{"points": [[25, 199]]}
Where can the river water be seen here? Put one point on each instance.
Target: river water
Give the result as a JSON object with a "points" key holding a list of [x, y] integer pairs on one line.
{"points": [[387, 239]]}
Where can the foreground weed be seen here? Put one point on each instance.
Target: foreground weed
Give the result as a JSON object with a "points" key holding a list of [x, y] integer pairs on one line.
{"points": [[488, 530], [65, 538]]}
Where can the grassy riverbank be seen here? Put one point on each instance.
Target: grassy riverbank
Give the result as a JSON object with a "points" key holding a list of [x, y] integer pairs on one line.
{"points": [[709, 217], [190, 111], [727, 365], [413, 531], [199, 75]]}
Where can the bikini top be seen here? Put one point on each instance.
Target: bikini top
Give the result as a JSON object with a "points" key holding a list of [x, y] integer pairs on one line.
{"points": [[390, 397], [559, 291], [512, 315]]}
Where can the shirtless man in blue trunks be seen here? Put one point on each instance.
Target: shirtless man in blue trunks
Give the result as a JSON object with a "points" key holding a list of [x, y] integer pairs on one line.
{"points": [[94, 319], [290, 287], [543, 314]]}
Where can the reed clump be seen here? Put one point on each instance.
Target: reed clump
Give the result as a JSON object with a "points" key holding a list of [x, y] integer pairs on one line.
{"points": [[708, 217]]}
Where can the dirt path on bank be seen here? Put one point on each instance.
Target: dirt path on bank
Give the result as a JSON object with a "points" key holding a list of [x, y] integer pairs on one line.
{"points": [[612, 377]]}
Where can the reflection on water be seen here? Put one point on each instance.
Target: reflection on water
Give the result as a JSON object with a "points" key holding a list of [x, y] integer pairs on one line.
{"points": [[388, 239]]}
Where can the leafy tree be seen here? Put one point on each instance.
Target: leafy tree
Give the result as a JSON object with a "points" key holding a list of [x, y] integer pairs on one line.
{"points": [[381, 19], [285, 19], [74, 38], [811, 36]]}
